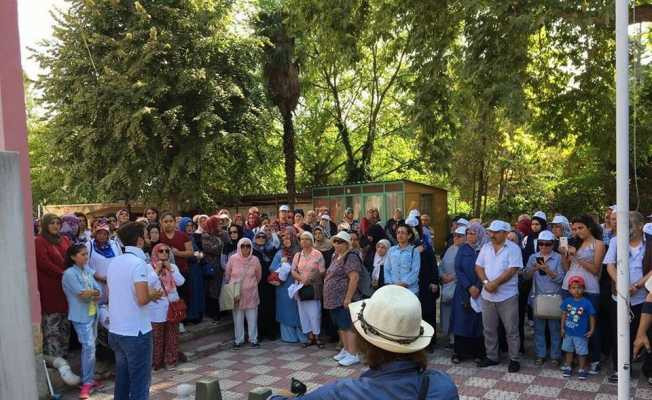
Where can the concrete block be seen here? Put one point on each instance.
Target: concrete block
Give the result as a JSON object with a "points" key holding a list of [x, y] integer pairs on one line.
{"points": [[260, 394], [208, 389]]}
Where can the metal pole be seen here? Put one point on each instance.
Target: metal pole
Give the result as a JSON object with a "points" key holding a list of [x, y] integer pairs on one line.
{"points": [[622, 195]]}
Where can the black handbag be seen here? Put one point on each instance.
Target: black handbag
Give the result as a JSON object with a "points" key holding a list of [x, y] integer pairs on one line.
{"points": [[307, 293]]}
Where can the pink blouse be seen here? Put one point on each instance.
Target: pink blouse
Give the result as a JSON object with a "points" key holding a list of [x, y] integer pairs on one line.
{"points": [[248, 274], [309, 265]]}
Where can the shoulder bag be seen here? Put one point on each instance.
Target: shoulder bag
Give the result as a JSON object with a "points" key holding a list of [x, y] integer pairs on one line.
{"points": [[177, 310], [545, 306]]}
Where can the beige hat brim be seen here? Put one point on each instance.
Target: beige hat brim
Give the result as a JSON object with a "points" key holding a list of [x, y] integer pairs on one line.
{"points": [[419, 344]]}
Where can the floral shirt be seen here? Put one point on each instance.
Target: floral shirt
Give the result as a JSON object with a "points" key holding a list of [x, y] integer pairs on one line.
{"points": [[337, 279]]}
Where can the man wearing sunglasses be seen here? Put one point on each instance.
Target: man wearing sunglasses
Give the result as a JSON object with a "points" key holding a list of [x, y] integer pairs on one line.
{"points": [[547, 274]]}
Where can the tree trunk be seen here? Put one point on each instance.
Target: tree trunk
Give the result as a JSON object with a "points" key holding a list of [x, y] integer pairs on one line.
{"points": [[290, 158]]}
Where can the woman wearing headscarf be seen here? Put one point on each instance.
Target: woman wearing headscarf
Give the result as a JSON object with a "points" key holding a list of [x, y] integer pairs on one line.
{"points": [[287, 312], [101, 251], [212, 249], [251, 225], [466, 323], [245, 268], [368, 244], [122, 217], [196, 299], [70, 228], [392, 224], [51, 249], [164, 276], [377, 266], [308, 269], [234, 233], [560, 227], [449, 282], [264, 249], [323, 244]]}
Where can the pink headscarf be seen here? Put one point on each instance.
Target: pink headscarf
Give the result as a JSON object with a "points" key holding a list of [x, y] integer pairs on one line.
{"points": [[166, 276], [237, 259]]}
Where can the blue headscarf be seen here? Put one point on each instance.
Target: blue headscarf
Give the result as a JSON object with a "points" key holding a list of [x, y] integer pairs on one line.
{"points": [[183, 223]]}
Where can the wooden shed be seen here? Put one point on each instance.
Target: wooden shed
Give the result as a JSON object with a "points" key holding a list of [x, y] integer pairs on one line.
{"points": [[387, 196]]}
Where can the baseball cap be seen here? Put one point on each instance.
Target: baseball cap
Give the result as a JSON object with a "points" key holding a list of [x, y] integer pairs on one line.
{"points": [[546, 236], [576, 279], [498, 225], [342, 235], [461, 230], [102, 227], [540, 214], [559, 219], [284, 207], [326, 217], [462, 221]]}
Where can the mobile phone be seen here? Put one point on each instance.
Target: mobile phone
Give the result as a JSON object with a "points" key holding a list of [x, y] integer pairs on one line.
{"points": [[563, 242], [540, 260]]}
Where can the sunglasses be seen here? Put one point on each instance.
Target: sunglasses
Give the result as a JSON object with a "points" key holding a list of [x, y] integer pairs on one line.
{"points": [[546, 244], [337, 241], [246, 246], [166, 251]]}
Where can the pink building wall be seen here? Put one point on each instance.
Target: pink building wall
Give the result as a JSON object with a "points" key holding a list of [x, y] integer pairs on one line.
{"points": [[13, 135]]}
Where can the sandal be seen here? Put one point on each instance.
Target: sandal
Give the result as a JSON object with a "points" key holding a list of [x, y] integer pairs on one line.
{"points": [[308, 344], [320, 344]]}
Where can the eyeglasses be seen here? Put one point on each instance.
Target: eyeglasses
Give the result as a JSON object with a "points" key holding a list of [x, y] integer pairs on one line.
{"points": [[166, 251], [546, 244], [246, 246]]}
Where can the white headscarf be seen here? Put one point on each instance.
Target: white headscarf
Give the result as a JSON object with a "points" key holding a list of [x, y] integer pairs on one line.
{"points": [[379, 260]]}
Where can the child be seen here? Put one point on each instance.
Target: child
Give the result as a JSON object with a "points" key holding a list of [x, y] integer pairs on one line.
{"points": [[577, 326], [82, 293]]}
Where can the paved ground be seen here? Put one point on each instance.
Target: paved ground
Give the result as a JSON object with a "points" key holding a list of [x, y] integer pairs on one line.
{"points": [[275, 363]]}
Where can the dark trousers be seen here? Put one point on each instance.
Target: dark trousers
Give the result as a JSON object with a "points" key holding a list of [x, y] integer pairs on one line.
{"points": [[133, 365]]}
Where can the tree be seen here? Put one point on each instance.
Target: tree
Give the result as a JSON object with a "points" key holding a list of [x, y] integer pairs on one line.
{"points": [[281, 74], [144, 98]]}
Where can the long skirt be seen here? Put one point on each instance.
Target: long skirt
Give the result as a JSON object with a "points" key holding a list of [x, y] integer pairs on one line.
{"points": [[196, 299], [310, 316], [469, 347], [56, 334], [166, 344], [292, 334]]}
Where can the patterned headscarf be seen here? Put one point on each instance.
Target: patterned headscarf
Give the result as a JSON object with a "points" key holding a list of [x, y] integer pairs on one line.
{"points": [[480, 233], [166, 276]]}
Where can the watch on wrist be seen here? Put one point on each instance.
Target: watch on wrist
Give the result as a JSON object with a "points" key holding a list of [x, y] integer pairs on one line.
{"points": [[484, 282]]}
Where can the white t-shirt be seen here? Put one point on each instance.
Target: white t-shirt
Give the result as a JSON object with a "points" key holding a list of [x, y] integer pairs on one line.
{"points": [[101, 264], [126, 316], [494, 264], [158, 310], [636, 255]]}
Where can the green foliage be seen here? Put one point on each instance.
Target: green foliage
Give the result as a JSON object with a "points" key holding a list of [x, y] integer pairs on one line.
{"points": [[152, 99]]}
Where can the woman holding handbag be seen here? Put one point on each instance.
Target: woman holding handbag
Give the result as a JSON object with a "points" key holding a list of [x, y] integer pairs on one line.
{"points": [[545, 269], [308, 268], [244, 267], [168, 311]]}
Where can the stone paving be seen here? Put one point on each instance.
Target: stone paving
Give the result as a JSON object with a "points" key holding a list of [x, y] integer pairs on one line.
{"points": [[275, 363]]}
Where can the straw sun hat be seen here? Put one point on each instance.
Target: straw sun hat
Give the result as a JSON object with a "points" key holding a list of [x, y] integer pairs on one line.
{"points": [[391, 320]]}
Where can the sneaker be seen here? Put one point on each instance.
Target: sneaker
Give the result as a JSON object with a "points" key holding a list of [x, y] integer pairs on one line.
{"points": [[594, 369], [539, 361], [86, 390], [555, 362], [182, 328], [582, 374], [566, 371], [486, 362], [514, 366], [237, 346], [349, 360], [340, 356], [255, 345], [613, 378], [649, 380]]}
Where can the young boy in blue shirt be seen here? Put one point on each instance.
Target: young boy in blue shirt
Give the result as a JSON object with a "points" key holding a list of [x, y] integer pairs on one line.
{"points": [[577, 326]]}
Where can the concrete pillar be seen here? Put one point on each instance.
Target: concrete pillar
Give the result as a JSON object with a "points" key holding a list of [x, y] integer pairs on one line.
{"points": [[17, 369], [260, 394], [208, 389], [13, 137]]}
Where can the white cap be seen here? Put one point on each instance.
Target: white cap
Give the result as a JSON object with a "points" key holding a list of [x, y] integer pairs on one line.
{"points": [[412, 221], [462, 221], [414, 213], [498, 225], [612, 208], [342, 235], [540, 214], [461, 230], [560, 219], [326, 217], [647, 228], [284, 207], [546, 235]]}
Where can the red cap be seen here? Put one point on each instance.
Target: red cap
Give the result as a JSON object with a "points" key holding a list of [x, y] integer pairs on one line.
{"points": [[576, 279]]}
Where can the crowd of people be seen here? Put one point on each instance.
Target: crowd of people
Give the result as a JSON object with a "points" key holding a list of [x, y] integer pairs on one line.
{"points": [[296, 276]]}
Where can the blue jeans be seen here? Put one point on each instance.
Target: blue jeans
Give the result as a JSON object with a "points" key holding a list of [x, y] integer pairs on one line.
{"points": [[595, 341], [87, 333], [554, 327], [133, 365]]}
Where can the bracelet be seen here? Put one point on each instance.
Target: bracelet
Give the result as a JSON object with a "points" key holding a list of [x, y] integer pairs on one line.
{"points": [[647, 308]]}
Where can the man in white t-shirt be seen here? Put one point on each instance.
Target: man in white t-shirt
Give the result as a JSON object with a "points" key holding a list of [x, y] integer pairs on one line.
{"points": [[129, 324], [497, 267]]}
